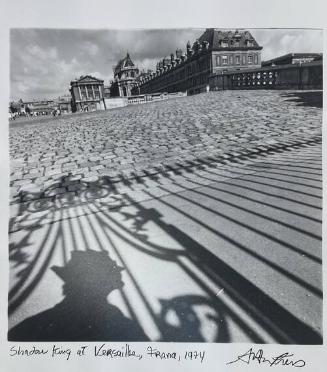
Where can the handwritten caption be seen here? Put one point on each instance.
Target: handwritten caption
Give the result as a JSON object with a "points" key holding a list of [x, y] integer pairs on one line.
{"points": [[105, 351], [126, 351]]}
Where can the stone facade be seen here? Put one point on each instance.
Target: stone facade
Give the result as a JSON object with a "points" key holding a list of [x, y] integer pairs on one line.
{"points": [[87, 94], [40, 107], [216, 51], [125, 75]]}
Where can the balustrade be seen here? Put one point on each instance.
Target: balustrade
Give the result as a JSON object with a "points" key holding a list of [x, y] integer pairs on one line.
{"points": [[256, 80]]}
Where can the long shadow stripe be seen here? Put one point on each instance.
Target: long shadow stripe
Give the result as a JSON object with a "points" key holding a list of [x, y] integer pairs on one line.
{"points": [[274, 266]]}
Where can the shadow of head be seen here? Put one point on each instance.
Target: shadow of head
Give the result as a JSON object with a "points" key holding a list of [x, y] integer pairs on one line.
{"points": [[90, 274], [84, 314]]}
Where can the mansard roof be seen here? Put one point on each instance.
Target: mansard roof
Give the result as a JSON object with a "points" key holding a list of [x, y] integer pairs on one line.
{"points": [[124, 63], [235, 39]]}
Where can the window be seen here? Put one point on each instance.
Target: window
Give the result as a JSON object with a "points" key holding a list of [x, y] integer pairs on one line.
{"points": [[83, 92], [250, 59], [230, 59], [90, 91], [224, 44], [217, 61], [225, 60], [96, 91], [256, 59], [237, 60]]}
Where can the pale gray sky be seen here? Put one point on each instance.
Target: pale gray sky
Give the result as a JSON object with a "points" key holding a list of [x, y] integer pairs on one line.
{"points": [[44, 61]]}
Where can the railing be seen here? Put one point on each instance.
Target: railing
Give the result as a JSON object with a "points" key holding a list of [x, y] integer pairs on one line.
{"points": [[264, 79], [136, 99], [301, 76], [145, 98]]}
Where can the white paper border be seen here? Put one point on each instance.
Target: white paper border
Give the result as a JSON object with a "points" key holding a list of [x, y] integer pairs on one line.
{"points": [[146, 14]]}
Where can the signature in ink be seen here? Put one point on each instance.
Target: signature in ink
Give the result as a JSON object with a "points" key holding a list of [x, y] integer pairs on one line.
{"points": [[285, 359]]}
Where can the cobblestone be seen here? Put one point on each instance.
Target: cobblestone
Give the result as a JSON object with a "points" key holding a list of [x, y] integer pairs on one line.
{"points": [[56, 191], [140, 141]]}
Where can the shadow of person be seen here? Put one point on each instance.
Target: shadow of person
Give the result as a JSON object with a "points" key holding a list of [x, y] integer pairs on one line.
{"points": [[84, 314]]}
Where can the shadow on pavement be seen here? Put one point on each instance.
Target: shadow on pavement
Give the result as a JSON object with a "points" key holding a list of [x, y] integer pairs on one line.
{"points": [[303, 98], [89, 276], [84, 314]]}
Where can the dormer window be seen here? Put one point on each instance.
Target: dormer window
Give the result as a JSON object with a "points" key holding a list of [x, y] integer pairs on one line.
{"points": [[237, 35], [249, 43], [224, 43]]}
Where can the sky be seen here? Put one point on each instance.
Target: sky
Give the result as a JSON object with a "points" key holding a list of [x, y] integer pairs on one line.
{"points": [[43, 62]]}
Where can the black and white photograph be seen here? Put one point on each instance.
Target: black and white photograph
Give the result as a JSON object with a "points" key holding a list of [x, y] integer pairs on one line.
{"points": [[166, 185]]}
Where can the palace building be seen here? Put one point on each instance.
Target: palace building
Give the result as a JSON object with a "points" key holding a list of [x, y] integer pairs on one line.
{"points": [[125, 75], [87, 94], [216, 51], [293, 59]]}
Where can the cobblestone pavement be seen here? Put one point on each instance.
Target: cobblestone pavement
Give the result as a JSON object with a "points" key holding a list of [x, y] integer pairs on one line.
{"points": [[68, 156], [211, 204], [219, 252]]}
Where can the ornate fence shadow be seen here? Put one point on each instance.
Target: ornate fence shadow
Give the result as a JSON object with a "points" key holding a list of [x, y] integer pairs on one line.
{"points": [[102, 220]]}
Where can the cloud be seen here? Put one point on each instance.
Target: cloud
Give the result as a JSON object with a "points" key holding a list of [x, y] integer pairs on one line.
{"points": [[44, 61], [282, 41], [90, 48], [41, 53]]}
